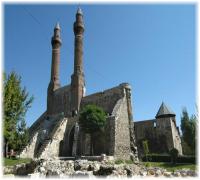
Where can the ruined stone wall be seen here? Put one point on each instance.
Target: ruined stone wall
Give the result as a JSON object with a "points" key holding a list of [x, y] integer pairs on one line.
{"points": [[106, 99], [53, 147], [28, 151], [40, 133], [67, 140], [176, 136], [122, 134], [110, 136], [116, 103]]}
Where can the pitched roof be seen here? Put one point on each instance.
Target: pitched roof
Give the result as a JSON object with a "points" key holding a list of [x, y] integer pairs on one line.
{"points": [[164, 111], [57, 26], [79, 11]]}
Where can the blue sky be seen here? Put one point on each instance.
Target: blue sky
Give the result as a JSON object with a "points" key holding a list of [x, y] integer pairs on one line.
{"points": [[152, 47]]}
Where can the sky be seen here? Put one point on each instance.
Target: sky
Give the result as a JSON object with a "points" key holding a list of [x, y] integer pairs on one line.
{"points": [[150, 46]]}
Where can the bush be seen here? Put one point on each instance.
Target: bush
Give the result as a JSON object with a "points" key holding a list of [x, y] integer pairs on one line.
{"points": [[186, 159], [174, 155], [167, 158], [147, 164], [157, 158]]}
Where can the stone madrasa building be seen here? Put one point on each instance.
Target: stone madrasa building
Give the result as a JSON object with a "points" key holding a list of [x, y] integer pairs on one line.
{"points": [[56, 132], [161, 133]]}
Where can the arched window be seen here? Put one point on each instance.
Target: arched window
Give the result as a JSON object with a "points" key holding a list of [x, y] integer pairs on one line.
{"points": [[154, 124]]}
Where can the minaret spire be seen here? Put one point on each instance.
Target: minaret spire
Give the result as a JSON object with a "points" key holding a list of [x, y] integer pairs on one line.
{"points": [[54, 81], [77, 78], [56, 43]]}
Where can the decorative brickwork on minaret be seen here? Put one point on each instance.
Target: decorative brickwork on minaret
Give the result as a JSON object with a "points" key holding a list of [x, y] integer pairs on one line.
{"points": [[54, 81], [77, 78]]}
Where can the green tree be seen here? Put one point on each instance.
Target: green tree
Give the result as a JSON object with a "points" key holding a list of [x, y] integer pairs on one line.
{"points": [[16, 102], [145, 148], [92, 120], [192, 143], [188, 128], [23, 135]]}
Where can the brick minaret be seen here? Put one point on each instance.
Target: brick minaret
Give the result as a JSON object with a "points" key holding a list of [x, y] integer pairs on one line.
{"points": [[77, 78], [54, 81]]}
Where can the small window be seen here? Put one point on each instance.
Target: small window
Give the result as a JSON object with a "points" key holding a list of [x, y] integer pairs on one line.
{"points": [[154, 124]]}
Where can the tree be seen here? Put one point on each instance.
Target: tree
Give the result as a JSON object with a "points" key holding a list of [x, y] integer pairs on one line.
{"points": [[92, 120], [192, 142], [23, 135], [145, 148], [188, 128], [16, 102]]}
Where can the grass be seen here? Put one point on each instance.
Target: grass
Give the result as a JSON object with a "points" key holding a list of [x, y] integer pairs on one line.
{"points": [[12, 162], [120, 161], [171, 167]]}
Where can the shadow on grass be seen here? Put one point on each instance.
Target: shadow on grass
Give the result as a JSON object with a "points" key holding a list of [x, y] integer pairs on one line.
{"points": [[172, 167]]}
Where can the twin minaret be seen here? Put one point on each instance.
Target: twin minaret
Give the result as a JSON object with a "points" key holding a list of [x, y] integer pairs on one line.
{"points": [[77, 78], [56, 44]]}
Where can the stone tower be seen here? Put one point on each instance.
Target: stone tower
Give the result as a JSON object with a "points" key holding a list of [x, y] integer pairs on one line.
{"points": [[162, 132], [77, 78], [54, 81], [166, 124]]}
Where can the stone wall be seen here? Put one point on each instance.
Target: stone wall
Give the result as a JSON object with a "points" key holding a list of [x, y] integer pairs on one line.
{"points": [[176, 136], [143, 127], [106, 99], [40, 133], [122, 133], [68, 137], [34, 131], [59, 101], [116, 103], [54, 146], [110, 136], [28, 151]]}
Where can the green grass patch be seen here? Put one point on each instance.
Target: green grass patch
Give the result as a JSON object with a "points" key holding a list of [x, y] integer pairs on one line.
{"points": [[171, 167], [12, 162], [128, 161], [121, 161]]}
